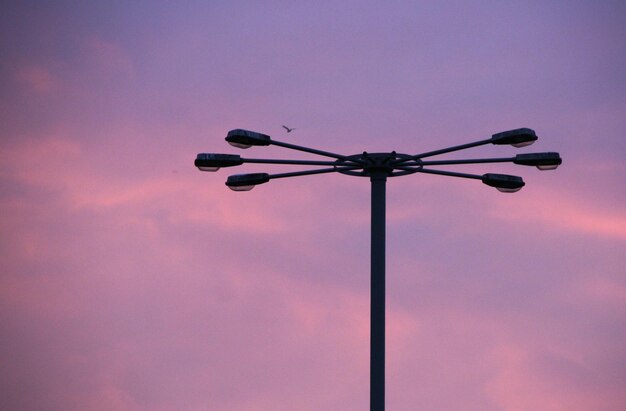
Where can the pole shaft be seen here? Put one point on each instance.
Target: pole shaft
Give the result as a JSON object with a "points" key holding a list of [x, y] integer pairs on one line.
{"points": [[377, 310]]}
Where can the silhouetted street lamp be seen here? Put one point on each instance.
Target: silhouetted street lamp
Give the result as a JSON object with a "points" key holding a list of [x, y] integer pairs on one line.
{"points": [[378, 166]]}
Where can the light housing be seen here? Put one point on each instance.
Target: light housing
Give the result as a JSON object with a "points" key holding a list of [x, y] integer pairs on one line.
{"points": [[543, 161], [520, 137], [246, 182], [213, 162], [503, 182], [245, 139]]}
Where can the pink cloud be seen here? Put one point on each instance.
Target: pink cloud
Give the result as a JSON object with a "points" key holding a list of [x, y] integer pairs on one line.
{"points": [[600, 289], [525, 381], [40, 161], [60, 164], [37, 79], [107, 56], [564, 211]]}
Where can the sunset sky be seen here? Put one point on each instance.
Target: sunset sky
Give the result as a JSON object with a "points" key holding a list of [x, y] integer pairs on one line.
{"points": [[129, 280]]}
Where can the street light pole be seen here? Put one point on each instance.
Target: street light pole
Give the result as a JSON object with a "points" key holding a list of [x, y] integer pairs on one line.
{"points": [[377, 289], [378, 167]]}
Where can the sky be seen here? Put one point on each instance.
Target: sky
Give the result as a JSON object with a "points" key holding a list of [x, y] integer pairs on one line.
{"points": [[132, 281]]}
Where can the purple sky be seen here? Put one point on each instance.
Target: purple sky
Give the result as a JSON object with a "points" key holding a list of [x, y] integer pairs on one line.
{"points": [[131, 281]]}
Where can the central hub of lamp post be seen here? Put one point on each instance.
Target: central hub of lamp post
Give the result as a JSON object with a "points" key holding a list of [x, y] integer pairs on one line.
{"points": [[389, 164], [378, 166]]}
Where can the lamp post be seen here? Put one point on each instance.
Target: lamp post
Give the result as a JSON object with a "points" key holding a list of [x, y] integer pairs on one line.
{"points": [[378, 167]]}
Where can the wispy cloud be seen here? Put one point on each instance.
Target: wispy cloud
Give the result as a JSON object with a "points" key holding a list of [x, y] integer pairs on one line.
{"points": [[37, 79]]}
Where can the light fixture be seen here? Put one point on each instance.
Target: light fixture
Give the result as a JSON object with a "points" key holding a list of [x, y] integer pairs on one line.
{"points": [[503, 182], [245, 139], [543, 161], [213, 162], [246, 182], [519, 137]]}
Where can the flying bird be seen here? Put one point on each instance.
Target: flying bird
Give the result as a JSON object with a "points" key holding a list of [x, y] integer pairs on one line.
{"points": [[289, 130]]}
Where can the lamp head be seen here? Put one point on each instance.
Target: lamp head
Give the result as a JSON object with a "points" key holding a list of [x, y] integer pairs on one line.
{"points": [[245, 139], [519, 137], [543, 161], [246, 182], [503, 182], [213, 162]]}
